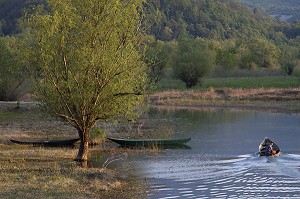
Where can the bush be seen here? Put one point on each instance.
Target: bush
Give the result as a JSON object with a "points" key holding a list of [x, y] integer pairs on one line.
{"points": [[192, 61], [97, 135], [296, 71], [13, 80]]}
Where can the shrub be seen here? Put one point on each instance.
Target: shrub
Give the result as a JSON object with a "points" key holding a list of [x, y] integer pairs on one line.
{"points": [[13, 80], [192, 61]]}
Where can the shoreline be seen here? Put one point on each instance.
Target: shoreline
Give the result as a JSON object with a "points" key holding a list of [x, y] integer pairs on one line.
{"points": [[264, 99], [24, 120], [269, 100]]}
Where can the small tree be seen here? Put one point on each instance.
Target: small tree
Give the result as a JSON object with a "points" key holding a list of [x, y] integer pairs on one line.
{"points": [[192, 61], [289, 58], [159, 58], [86, 61], [265, 53], [13, 77]]}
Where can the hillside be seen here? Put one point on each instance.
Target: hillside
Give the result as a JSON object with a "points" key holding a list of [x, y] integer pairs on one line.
{"points": [[213, 19], [167, 20], [237, 34], [287, 10], [10, 11]]}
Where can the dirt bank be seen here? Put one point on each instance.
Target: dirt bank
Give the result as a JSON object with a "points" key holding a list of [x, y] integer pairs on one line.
{"points": [[275, 99], [26, 119]]}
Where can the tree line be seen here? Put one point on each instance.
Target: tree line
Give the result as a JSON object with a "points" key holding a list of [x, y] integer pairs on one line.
{"points": [[252, 41], [185, 39]]}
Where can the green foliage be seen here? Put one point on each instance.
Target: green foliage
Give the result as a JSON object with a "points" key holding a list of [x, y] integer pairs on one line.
{"points": [[296, 71], [290, 58], [264, 53], [227, 55], [13, 77], [97, 134], [192, 61], [241, 38], [10, 11], [213, 19], [86, 60], [159, 58]]}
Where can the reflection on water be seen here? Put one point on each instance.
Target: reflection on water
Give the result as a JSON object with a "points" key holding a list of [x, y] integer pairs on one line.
{"points": [[222, 161]]}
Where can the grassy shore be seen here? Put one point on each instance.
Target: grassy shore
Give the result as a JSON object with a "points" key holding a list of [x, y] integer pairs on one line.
{"points": [[30, 172], [234, 83], [266, 93], [271, 99], [38, 172]]}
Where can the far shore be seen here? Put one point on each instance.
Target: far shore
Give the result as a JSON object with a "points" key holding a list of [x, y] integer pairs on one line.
{"points": [[262, 99]]}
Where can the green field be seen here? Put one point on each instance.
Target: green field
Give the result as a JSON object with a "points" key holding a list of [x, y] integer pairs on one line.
{"points": [[237, 82]]}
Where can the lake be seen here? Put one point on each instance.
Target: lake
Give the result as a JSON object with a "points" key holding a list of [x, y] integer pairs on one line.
{"points": [[221, 161]]}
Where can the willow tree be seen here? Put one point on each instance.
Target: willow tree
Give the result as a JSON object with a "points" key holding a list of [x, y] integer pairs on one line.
{"points": [[192, 61], [86, 58]]}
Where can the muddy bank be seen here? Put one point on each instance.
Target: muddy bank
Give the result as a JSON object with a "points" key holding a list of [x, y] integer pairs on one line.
{"points": [[275, 99], [26, 119]]}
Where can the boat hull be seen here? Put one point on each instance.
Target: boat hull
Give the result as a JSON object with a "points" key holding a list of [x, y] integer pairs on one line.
{"points": [[149, 142], [48, 143]]}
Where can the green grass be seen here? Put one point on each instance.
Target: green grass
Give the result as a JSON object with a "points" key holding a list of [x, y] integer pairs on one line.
{"points": [[253, 82], [238, 82]]}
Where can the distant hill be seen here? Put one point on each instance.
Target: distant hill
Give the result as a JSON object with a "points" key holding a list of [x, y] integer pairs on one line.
{"points": [[286, 10], [213, 19], [169, 19], [10, 11]]}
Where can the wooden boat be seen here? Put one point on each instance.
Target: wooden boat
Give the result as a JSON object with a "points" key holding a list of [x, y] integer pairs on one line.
{"points": [[263, 148], [149, 142], [48, 143]]}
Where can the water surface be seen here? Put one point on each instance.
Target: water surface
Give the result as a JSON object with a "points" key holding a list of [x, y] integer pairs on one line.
{"points": [[222, 160]]}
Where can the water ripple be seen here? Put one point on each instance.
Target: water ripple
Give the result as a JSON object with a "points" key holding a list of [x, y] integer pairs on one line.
{"points": [[246, 176]]}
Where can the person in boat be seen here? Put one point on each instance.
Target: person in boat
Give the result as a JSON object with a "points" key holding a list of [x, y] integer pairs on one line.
{"points": [[270, 150], [267, 147]]}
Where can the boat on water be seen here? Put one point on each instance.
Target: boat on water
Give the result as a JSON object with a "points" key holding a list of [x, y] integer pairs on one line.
{"points": [[268, 148], [48, 143], [149, 142]]}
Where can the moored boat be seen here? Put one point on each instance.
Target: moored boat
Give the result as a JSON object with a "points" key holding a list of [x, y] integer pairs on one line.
{"points": [[149, 142], [268, 148], [48, 143]]}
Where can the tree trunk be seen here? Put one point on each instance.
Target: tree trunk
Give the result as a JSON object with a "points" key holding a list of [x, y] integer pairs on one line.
{"points": [[84, 146]]}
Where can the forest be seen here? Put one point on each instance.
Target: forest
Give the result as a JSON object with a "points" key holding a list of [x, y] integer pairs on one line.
{"points": [[186, 39]]}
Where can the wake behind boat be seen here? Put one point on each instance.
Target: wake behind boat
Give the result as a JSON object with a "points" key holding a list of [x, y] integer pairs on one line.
{"points": [[149, 142], [48, 143], [268, 148]]}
